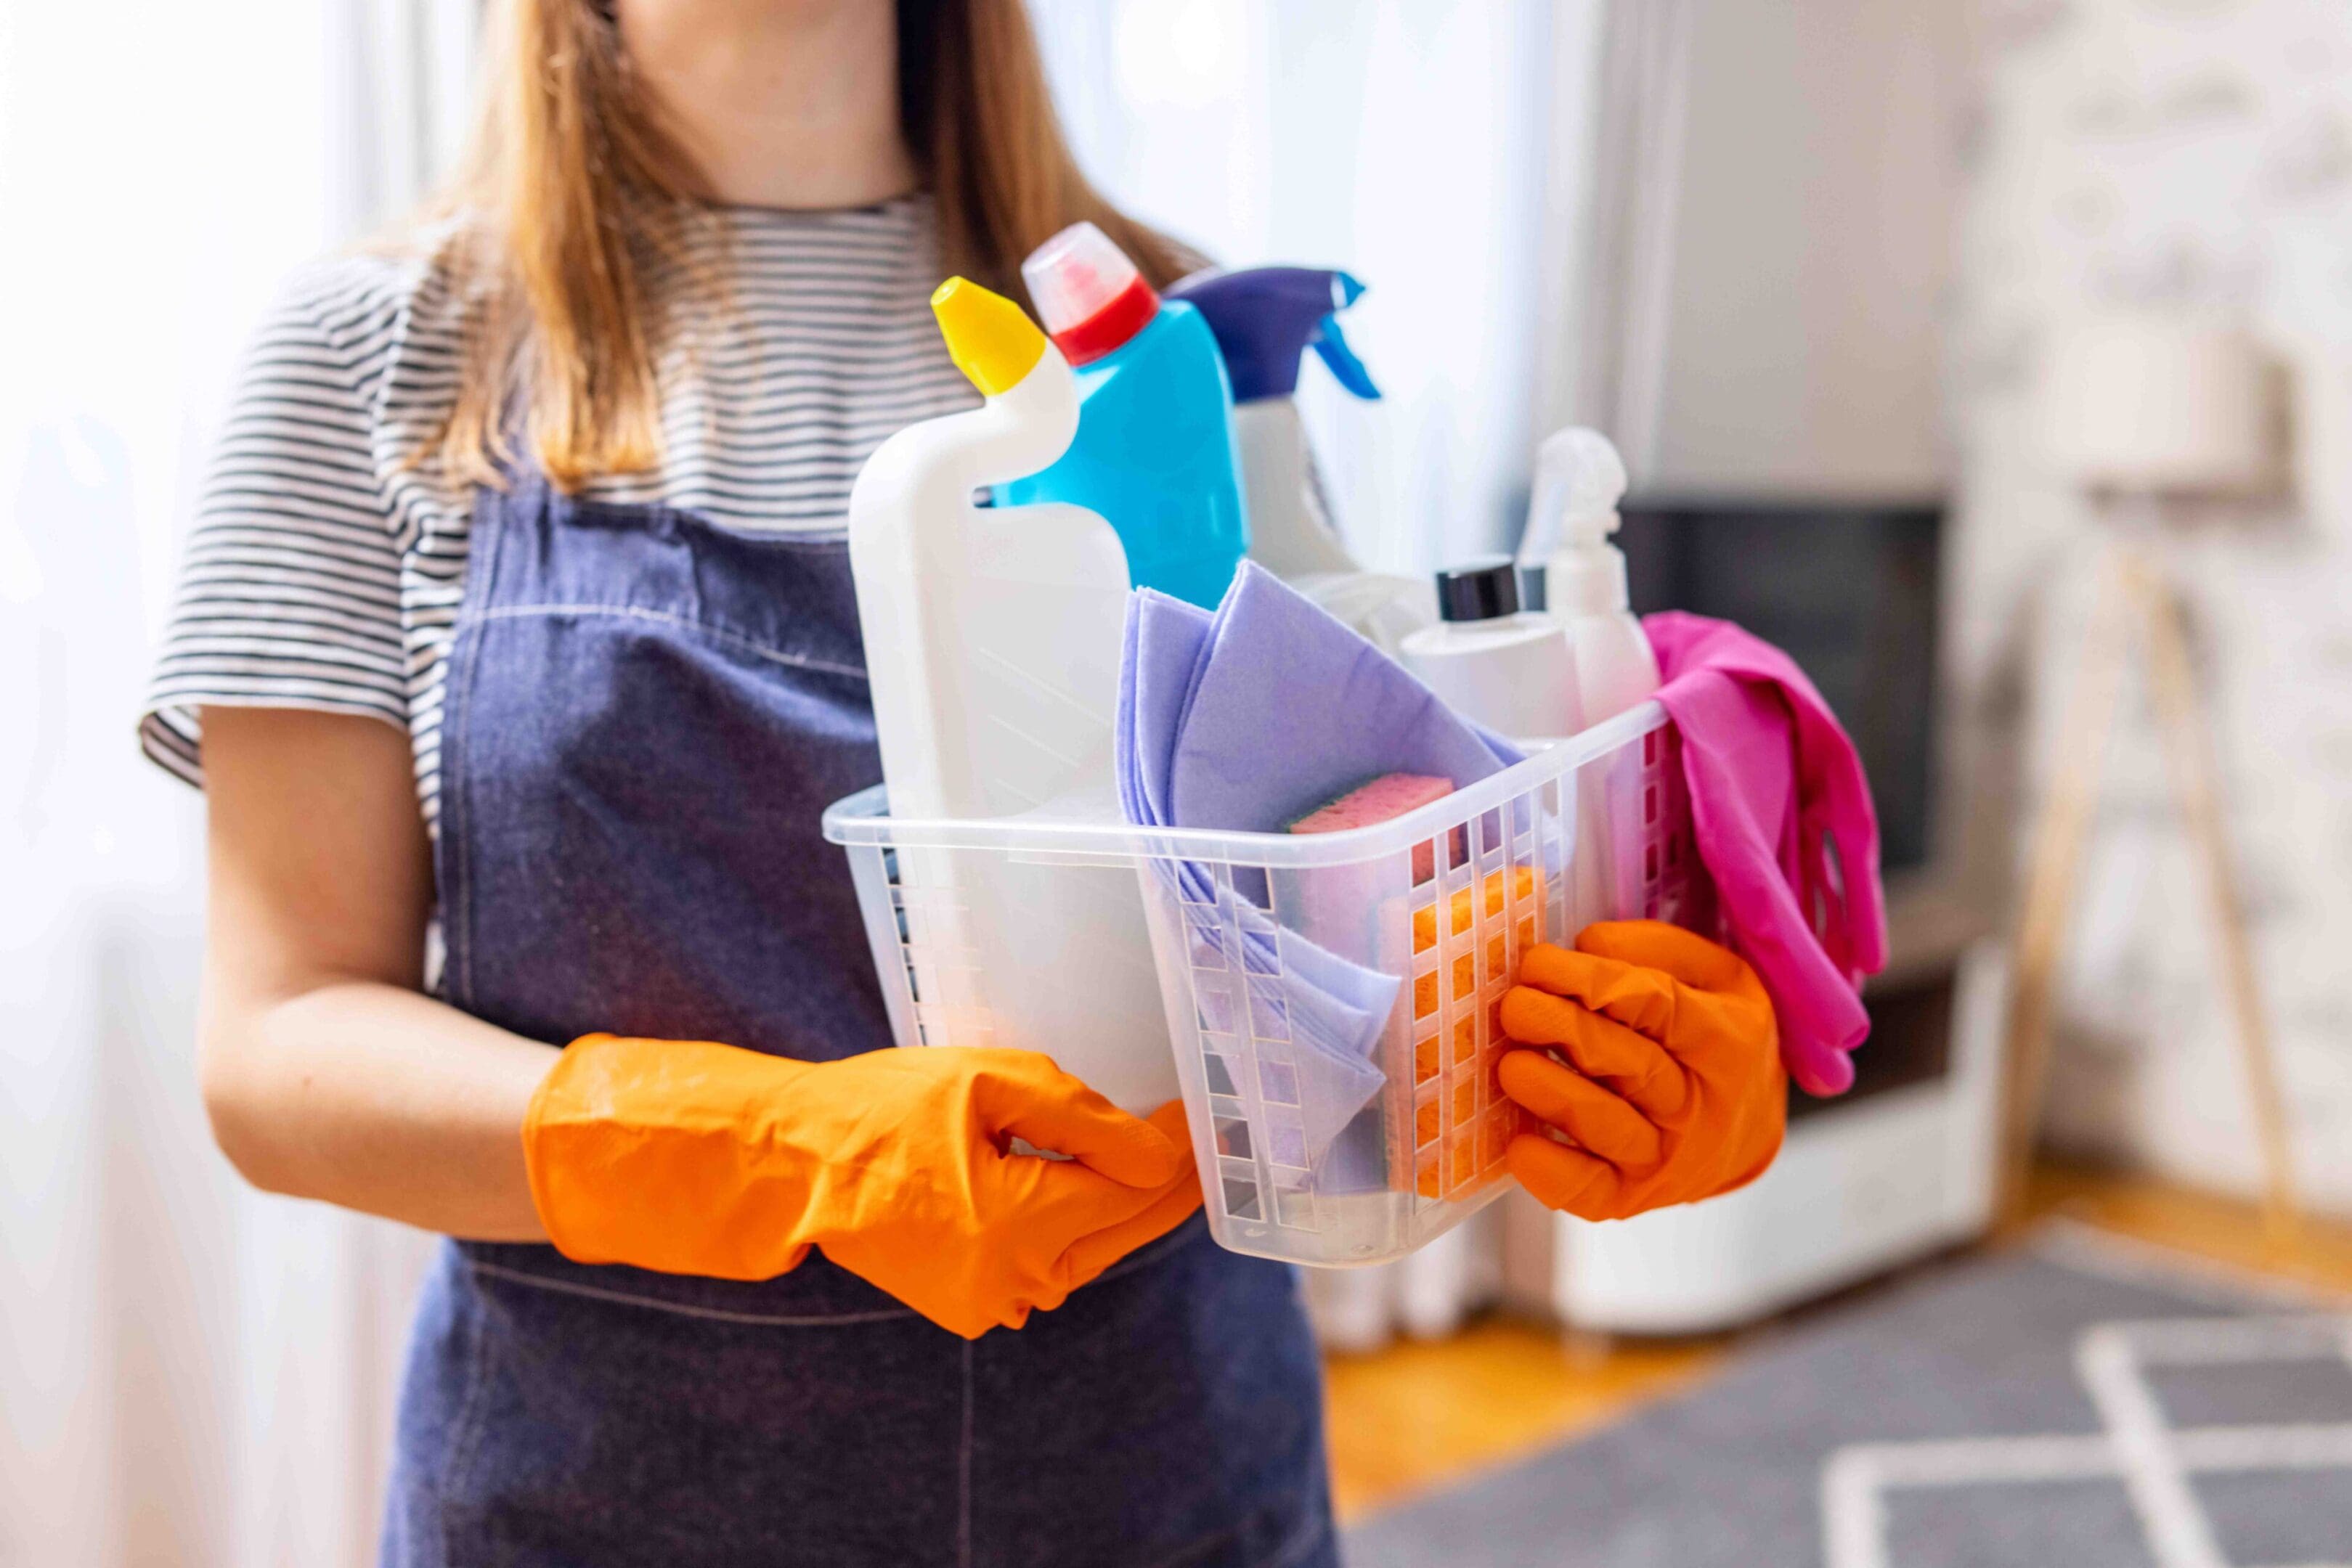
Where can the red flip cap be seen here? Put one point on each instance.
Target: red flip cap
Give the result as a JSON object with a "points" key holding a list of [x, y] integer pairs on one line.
{"points": [[1089, 293], [1130, 311]]}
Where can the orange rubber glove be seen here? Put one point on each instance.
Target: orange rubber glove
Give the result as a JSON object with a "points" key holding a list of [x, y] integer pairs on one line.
{"points": [[1676, 1091], [695, 1158]]}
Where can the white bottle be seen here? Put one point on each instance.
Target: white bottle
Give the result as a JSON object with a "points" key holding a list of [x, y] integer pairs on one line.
{"points": [[992, 634], [1515, 675], [1579, 480], [992, 638], [1510, 671], [1296, 539]]}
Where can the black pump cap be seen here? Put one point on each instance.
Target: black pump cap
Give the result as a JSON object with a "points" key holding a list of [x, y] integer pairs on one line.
{"points": [[1487, 588]]}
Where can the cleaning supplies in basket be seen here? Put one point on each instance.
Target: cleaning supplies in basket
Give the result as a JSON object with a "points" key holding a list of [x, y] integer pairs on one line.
{"points": [[1266, 320], [1154, 450], [1247, 720], [1332, 1000]]}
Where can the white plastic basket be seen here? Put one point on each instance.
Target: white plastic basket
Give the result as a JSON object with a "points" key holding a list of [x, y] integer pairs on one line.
{"points": [[1108, 947]]}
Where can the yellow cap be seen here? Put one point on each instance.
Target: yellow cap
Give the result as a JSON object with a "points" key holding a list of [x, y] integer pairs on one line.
{"points": [[990, 338]]}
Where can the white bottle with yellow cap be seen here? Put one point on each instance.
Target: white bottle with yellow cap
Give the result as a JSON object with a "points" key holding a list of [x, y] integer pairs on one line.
{"points": [[992, 638], [991, 632]]}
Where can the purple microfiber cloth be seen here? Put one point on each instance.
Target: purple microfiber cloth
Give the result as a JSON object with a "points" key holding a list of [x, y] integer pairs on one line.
{"points": [[1244, 719], [1282, 709]]}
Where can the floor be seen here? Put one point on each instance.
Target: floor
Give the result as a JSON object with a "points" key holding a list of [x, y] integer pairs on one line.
{"points": [[1417, 1416]]}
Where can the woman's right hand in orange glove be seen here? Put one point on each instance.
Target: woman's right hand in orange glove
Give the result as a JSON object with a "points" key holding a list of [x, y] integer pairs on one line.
{"points": [[1672, 1090], [695, 1158]]}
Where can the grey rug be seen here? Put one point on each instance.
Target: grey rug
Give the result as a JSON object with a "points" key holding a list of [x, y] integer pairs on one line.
{"points": [[2082, 1403]]}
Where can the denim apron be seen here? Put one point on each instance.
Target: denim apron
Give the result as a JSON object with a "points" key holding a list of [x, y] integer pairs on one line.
{"points": [[646, 714]]}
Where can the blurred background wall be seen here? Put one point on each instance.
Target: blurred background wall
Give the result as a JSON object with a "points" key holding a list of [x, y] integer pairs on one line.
{"points": [[1812, 259], [2190, 159]]}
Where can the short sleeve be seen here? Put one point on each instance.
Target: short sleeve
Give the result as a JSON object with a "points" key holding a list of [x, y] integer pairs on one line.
{"points": [[288, 591]]}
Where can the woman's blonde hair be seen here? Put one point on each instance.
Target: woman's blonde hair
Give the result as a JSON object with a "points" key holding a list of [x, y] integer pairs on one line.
{"points": [[575, 194]]}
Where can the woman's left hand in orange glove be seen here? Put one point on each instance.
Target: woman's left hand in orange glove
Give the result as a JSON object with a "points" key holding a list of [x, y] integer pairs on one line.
{"points": [[1673, 1089]]}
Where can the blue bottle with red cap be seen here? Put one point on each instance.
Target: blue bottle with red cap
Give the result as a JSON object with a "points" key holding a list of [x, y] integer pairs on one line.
{"points": [[1155, 453]]}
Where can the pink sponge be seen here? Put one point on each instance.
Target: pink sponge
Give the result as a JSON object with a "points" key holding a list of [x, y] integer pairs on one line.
{"points": [[1390, 796]]}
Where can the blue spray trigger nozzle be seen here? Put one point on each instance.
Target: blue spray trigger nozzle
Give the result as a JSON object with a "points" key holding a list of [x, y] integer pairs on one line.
{"points": [[1266, 318], [1335, 353]]}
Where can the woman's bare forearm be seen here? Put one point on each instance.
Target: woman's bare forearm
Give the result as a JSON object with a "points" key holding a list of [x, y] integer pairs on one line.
{"points": [[373, 1097], [326, 1072]]}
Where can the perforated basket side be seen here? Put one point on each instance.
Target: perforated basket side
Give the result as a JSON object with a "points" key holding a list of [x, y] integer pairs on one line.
{"points": [[916, 915], [1597, 828], [1497, 889]]}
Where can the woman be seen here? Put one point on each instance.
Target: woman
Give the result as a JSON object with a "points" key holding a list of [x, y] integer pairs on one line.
{"points": [[518, 655]]}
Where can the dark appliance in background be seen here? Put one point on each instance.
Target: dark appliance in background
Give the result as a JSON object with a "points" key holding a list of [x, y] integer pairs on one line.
{"points": [[1851, 590]]}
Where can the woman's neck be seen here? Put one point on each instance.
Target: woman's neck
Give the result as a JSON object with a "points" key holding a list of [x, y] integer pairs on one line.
{"points": [[781, 103]]}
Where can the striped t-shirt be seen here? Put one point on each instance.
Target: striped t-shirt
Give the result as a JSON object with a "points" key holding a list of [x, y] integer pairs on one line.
{"points": [[325, 566]]}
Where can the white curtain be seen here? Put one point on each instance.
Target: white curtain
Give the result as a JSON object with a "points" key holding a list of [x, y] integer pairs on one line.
{"points": [[190, 1374], [1612, 334]]}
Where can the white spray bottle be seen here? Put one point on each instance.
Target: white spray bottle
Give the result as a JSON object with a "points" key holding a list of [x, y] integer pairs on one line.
{"points": [[1265, 318], [1579, 480], [1567, 558], [992, 638]]}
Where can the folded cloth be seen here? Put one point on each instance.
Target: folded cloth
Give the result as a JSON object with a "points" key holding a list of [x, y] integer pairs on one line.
{"points": [[1782, 816], [1289, 708], [1241, 720]]}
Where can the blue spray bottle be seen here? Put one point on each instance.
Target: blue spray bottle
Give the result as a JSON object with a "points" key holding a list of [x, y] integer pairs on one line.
{"points": [[1154, 454], [1265, 320]]}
